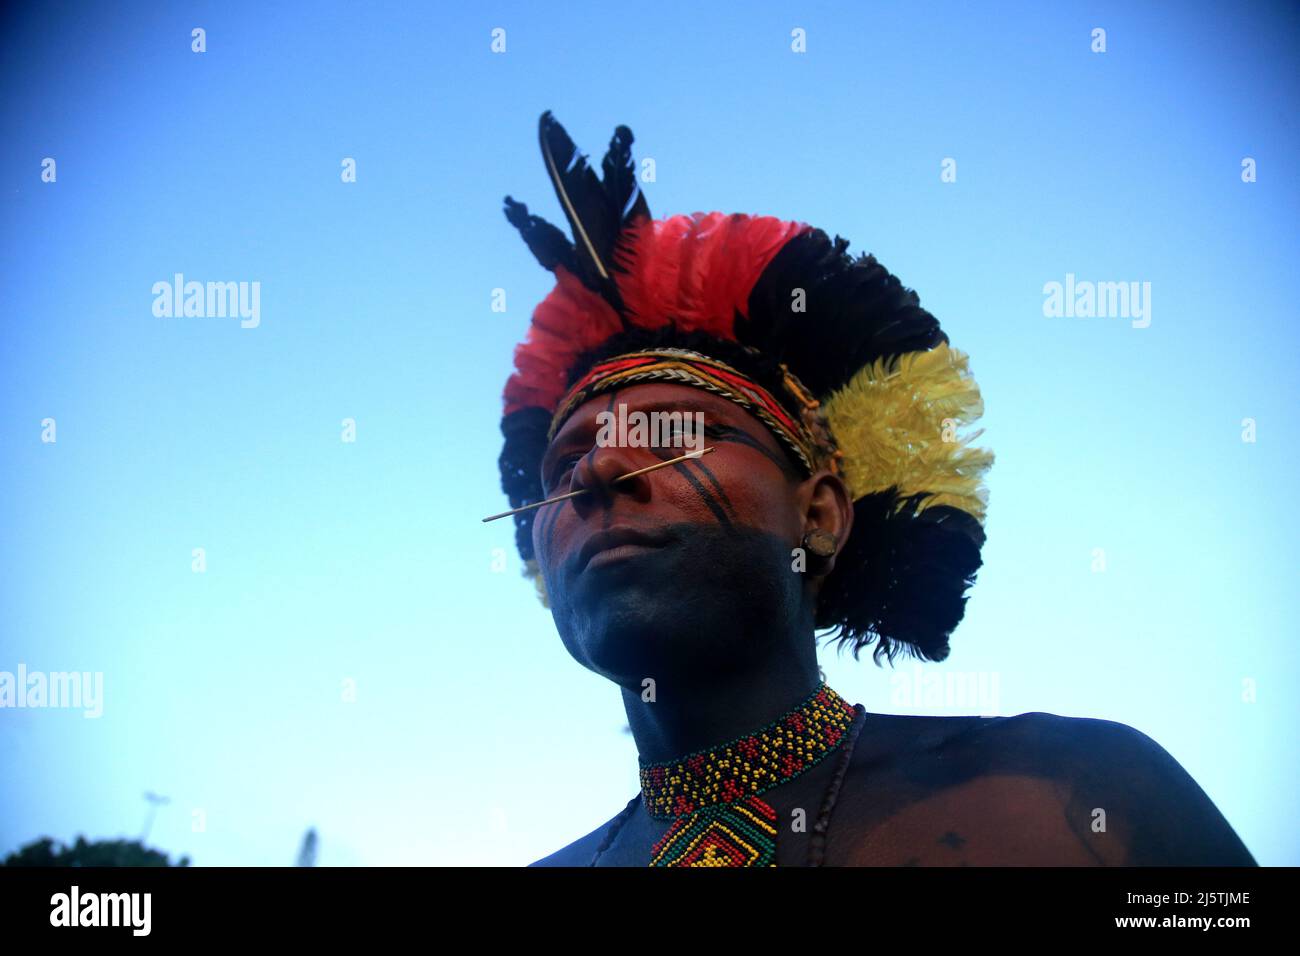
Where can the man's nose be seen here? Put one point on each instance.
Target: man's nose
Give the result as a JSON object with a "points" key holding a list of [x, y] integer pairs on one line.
{"points": [[598, 471]]}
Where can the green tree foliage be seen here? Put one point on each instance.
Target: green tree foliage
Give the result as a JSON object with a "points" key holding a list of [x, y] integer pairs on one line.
{"points": [[47, 852]]}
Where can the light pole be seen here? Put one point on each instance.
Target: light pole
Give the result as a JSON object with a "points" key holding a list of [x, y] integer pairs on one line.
{"points": [[155, 801]]}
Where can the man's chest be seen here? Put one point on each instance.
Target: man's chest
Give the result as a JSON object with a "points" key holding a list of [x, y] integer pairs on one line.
{"points": [[994, 820], [963, 803]]}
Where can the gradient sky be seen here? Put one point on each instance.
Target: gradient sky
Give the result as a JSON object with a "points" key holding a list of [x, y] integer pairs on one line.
{"points": [[473, 737]]}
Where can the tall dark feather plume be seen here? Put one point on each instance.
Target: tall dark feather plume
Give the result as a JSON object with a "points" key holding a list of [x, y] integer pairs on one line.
{"points": [[621, 188], [597, 211], [585, 203]]}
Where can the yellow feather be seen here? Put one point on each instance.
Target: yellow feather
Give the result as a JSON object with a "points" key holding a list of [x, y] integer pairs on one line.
{"points": [[889, 424]]}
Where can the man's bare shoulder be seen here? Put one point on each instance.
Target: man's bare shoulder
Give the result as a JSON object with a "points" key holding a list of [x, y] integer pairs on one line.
{"points": [[1120, 795], [582, 850], [1038, 742]]}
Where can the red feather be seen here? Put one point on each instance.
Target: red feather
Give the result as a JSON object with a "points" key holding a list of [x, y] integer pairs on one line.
{"points": [[694, 271], [570, 320], [697, 270]]}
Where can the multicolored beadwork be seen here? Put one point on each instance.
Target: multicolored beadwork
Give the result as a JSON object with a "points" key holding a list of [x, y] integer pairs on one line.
{"points": [[712, 795], [742, 833]]}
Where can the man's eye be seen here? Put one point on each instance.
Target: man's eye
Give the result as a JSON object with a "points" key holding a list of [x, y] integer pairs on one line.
{"points": [[676, 439], [562, 468]]}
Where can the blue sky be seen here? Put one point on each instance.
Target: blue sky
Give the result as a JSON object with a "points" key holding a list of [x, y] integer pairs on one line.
{"points": [[473, 738]]}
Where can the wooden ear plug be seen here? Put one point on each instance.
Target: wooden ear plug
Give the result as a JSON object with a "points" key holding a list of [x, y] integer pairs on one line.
{"points": [[820, 547]]}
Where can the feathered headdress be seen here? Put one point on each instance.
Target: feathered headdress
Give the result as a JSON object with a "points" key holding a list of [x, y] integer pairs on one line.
{"points": [[831, 352]]}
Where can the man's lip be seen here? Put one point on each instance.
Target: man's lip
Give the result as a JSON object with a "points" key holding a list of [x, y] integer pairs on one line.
{"points": [[614, 537]]}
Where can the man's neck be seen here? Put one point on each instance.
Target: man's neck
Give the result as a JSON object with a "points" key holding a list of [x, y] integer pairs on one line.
{"points": [[683, 720]]}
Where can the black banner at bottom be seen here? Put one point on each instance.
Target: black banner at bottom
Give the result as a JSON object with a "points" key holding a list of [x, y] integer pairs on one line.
{"points": [[372, 905]]}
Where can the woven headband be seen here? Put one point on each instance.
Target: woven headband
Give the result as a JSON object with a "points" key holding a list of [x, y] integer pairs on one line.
{"points": [[806, 435]]}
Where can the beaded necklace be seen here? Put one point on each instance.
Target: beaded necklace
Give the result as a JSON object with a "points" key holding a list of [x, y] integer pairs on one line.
{"points": [[712, 796]]}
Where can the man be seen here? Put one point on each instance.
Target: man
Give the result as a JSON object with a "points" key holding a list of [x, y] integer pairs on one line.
{"points": [[836, 494]]}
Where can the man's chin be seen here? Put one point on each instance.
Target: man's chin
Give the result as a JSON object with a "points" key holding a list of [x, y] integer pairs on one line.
{"points": [[683, 612], [624, 635], [630, 636]]}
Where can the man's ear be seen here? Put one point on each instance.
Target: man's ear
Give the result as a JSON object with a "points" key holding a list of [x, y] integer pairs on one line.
{"points": [[829, 508]]}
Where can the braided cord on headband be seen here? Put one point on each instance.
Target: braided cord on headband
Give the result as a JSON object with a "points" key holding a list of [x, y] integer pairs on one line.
{"points": [[806, 436]]}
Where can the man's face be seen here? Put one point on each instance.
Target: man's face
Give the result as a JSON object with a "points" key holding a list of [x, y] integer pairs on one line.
{"points": [[682, 571]]}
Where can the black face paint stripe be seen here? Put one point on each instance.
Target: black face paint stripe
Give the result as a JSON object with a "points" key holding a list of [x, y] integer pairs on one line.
{"points": [[704, 494], [608, 516], [717, 487], [664, 454], [725, 433], [551, 516]]}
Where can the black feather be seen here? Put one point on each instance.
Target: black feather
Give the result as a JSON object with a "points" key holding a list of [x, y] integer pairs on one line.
{"points": [[621, 187], [863, 312], [548, 243], [597, 212]]}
